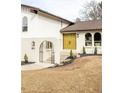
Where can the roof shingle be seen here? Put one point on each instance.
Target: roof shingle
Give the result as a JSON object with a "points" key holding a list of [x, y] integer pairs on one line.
{"points": [[84, 26]]}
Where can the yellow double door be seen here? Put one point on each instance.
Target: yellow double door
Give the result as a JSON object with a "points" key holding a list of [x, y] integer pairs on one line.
{"points": [[69, 41]]}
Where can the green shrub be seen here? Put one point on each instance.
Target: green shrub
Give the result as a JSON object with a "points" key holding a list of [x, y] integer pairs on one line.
{"points": [[84, 52], [71, 53], [26, 58], [95, 50]]}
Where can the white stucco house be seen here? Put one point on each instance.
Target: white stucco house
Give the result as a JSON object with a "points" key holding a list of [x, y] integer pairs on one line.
{"points": [[83, 35], [47, 38]]}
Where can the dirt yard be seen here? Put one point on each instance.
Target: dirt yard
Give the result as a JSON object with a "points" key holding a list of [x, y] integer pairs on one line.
{"points": [[82, 76]]}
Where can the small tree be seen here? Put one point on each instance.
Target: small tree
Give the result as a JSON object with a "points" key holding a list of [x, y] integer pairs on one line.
{"points": [[84, 52], [71, 53], [95, 50], [26, 58]]}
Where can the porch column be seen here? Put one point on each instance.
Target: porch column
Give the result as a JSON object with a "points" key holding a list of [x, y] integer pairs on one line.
{"points": [[92, 39]]}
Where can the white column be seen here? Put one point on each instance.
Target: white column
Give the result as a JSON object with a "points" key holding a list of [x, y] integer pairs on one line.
{"points": [[92, 39]]}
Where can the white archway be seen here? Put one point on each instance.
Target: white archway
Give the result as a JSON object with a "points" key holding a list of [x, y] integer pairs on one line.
{"points": [[46, 52]]}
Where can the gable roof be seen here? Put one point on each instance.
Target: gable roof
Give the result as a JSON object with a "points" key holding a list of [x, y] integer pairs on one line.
{"points": [[84, 26], [48, 13]]}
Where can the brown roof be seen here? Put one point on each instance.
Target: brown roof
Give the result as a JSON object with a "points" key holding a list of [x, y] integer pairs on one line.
{"points": [[48, 13], [84, 26]]}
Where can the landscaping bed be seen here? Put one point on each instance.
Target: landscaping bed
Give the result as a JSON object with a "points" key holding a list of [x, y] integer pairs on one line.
{"points": [[26, 63]]}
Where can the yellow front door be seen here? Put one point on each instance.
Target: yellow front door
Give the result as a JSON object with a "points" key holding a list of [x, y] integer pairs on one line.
{"points": [[69, 41]]}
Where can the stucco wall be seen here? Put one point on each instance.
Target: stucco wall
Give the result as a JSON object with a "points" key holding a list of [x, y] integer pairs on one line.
{"points": [[80, 43], [33, 54], [41, 25]]}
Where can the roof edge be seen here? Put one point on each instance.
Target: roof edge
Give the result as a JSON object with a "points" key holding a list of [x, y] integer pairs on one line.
{"points": [[79, 30], [47, 13]]}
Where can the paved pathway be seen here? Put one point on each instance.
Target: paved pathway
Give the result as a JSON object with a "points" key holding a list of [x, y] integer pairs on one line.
{"points": [[36, 66]]}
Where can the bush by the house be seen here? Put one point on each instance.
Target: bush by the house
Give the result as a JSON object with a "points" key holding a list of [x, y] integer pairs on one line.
{"points": [[26, 58], [84, 52], [71, 53], [67, 61], [95, 50]]}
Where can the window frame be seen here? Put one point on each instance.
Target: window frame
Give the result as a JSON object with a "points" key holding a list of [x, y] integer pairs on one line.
{"points": [[97, 42], [88, 41]]}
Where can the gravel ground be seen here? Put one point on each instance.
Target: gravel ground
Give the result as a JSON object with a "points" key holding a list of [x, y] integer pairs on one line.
{"points": [[84, 75]]}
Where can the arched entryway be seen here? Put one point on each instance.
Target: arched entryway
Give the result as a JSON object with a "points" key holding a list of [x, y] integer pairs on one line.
{"points": [[46, 52]]}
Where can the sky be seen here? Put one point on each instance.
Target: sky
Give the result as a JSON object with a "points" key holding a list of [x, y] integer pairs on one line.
{"points": [[68, 9]]}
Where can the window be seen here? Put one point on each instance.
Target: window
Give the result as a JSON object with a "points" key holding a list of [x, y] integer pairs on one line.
{"points": [[25, 24], [88, 39], [48, 45], [33, 45], [97, 39]]}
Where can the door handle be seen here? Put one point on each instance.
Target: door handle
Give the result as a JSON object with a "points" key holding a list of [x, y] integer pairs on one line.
{"points": [[69, 42]]}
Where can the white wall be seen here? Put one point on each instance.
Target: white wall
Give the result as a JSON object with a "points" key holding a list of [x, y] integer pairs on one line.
{"points": [[81, 42], [33, 54], [41, 27]]}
